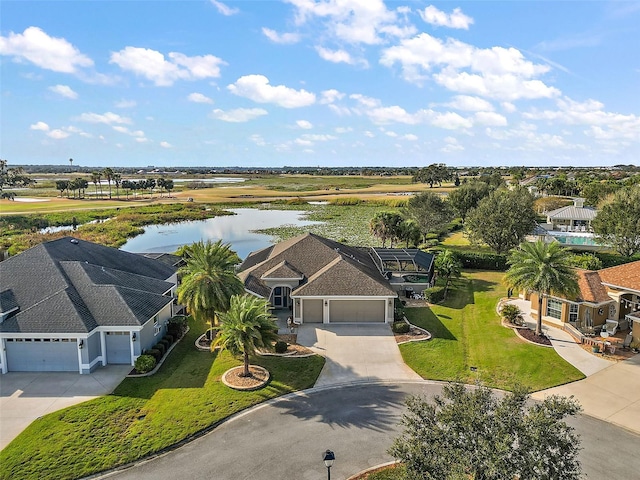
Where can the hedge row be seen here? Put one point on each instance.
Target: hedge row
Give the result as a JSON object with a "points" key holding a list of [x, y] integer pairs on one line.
{"points": [[482, 261]]}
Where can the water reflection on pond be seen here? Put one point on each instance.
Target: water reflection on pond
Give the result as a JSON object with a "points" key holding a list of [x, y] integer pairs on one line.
{"points": [[233, 229]]}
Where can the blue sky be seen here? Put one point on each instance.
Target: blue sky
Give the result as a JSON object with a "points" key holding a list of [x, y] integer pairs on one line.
{"points": [[327, 83]]}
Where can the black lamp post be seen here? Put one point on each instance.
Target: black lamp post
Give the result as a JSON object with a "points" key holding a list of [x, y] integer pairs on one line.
{"points": [[328, 457]]}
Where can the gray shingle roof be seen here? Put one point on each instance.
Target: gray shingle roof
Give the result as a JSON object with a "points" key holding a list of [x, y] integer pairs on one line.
{"points": [[282, 270], [340, 269], [65, 287]]}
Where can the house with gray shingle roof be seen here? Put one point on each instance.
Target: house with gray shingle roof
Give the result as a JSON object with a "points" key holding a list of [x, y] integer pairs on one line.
{"points": [[322, 281], [72, 305]]}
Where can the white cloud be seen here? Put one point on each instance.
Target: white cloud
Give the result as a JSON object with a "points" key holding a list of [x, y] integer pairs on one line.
{"points": [[257, 88], [591, 113], [338, 110], [40, 126], [239, 115], [106, 118], [258, 140], [353, 21], [330, 96], [470, 104], [64, 91], [364, 101], [451, 145], [126, 104], [501, 73], [508, 107], [224, 9], [282, 38], [451, 121], [162, 71], [126, 131], [411, 137], [343, 129], [390, 133], [436, 17], [199, 98], [58, 134], [50, 53], [397, 114], [303, 142], [165, 145], [369, 134], [142, 139], [304, 124], [339, 56], [318, 137], [490, 118]]}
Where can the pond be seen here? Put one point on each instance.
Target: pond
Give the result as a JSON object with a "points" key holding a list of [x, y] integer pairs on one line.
{"points": [[237, 230]]}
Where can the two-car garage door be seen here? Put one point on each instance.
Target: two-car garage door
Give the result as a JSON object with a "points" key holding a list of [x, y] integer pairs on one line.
{"points": [[356, 311], [41, 355]]}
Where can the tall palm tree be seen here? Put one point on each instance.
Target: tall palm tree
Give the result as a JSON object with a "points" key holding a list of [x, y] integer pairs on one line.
{"points": [[95, 178], [543, 268], [247, 326], [117, 179], [448, 266], [209, 280], [108, 175]]}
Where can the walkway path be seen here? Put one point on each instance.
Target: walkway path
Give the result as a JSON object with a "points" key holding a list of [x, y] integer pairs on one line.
{"points": [[564, 343], [356, 353], [286, 437], [611, 391]]}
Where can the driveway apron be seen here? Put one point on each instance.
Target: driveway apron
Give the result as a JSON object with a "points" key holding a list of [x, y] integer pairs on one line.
{"points": [[26, 396], [356, 353]]}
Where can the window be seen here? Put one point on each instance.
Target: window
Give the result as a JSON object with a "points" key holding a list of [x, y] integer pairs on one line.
{"points": [[156, 325], [554, 308], [573, 312]]}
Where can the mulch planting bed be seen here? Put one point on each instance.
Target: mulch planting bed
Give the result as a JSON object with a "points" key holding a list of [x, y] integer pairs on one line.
{"points": [[415, 333], [234, 379], [532, 337]]}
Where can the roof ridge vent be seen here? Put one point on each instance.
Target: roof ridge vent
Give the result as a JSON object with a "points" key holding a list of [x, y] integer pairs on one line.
{"points": [[74, 241]]}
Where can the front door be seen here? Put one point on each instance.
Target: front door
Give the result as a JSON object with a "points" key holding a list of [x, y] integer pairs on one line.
{"points": [[281, 297]]}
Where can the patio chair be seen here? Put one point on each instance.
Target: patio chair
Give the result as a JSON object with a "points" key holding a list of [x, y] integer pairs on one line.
{"points": [[611, 326]]}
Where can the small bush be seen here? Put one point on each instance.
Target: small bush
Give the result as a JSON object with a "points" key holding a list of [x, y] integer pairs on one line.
{"points": [[177, 325], [434, 294], [161, 347], [512, 314], [145, 363], [166, 344], [169, 338], [398, 313], [281, 346], [154, 353], [586, 261], [400, 327]]}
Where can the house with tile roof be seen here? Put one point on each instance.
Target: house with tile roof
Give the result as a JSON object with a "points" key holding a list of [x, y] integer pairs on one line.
{"points": [[610, 295], [72, 305], [322, 281]]}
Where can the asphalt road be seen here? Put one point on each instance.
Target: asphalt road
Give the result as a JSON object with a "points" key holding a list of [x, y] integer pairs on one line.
{"points": [[285, 439]]}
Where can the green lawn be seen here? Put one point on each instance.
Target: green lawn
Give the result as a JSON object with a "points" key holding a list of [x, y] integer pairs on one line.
{"points": [[467, 332], [145, 415]]}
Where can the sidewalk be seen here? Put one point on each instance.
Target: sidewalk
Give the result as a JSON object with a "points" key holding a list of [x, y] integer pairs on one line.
{"points": [[611, 391], [564, 344]]}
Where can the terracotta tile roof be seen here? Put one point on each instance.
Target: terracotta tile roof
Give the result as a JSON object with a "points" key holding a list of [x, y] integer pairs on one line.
{"points": [[591, 288], [624, 276]]}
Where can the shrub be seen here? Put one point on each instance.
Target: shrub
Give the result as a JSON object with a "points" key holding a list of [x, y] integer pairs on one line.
{"points": [[512, 314], [161, 347], [281, 346], [166, 344], [145, 363], [434, 294], [154, 353], [482, 261], [586, 261], [398, 313], [400, 327], [169, 338], [177, 325]]}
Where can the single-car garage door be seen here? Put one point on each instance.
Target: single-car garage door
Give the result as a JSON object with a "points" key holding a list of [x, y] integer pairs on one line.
{"points": [[118, 348], [312, 310], [356, 310], [42, 355]]}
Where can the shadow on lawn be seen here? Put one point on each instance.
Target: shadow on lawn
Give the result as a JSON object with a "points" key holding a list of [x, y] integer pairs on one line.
{"points": [[429, 320]]}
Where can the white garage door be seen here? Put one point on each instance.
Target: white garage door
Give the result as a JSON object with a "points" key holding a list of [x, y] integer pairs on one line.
{"points": [[118, 347], [42, 355], [356, 310], [312, 311]]}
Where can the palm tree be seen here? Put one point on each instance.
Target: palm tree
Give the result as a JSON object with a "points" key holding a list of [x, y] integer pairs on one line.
{"points": [[448, 266], [95, 178], [108, 175], [543, 268], [209, 280], [246, 326], [117, 179]]}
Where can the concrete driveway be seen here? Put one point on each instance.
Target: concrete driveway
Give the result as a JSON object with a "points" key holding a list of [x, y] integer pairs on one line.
{"points": [[611, 394], [356, 353], [25, 396]]}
